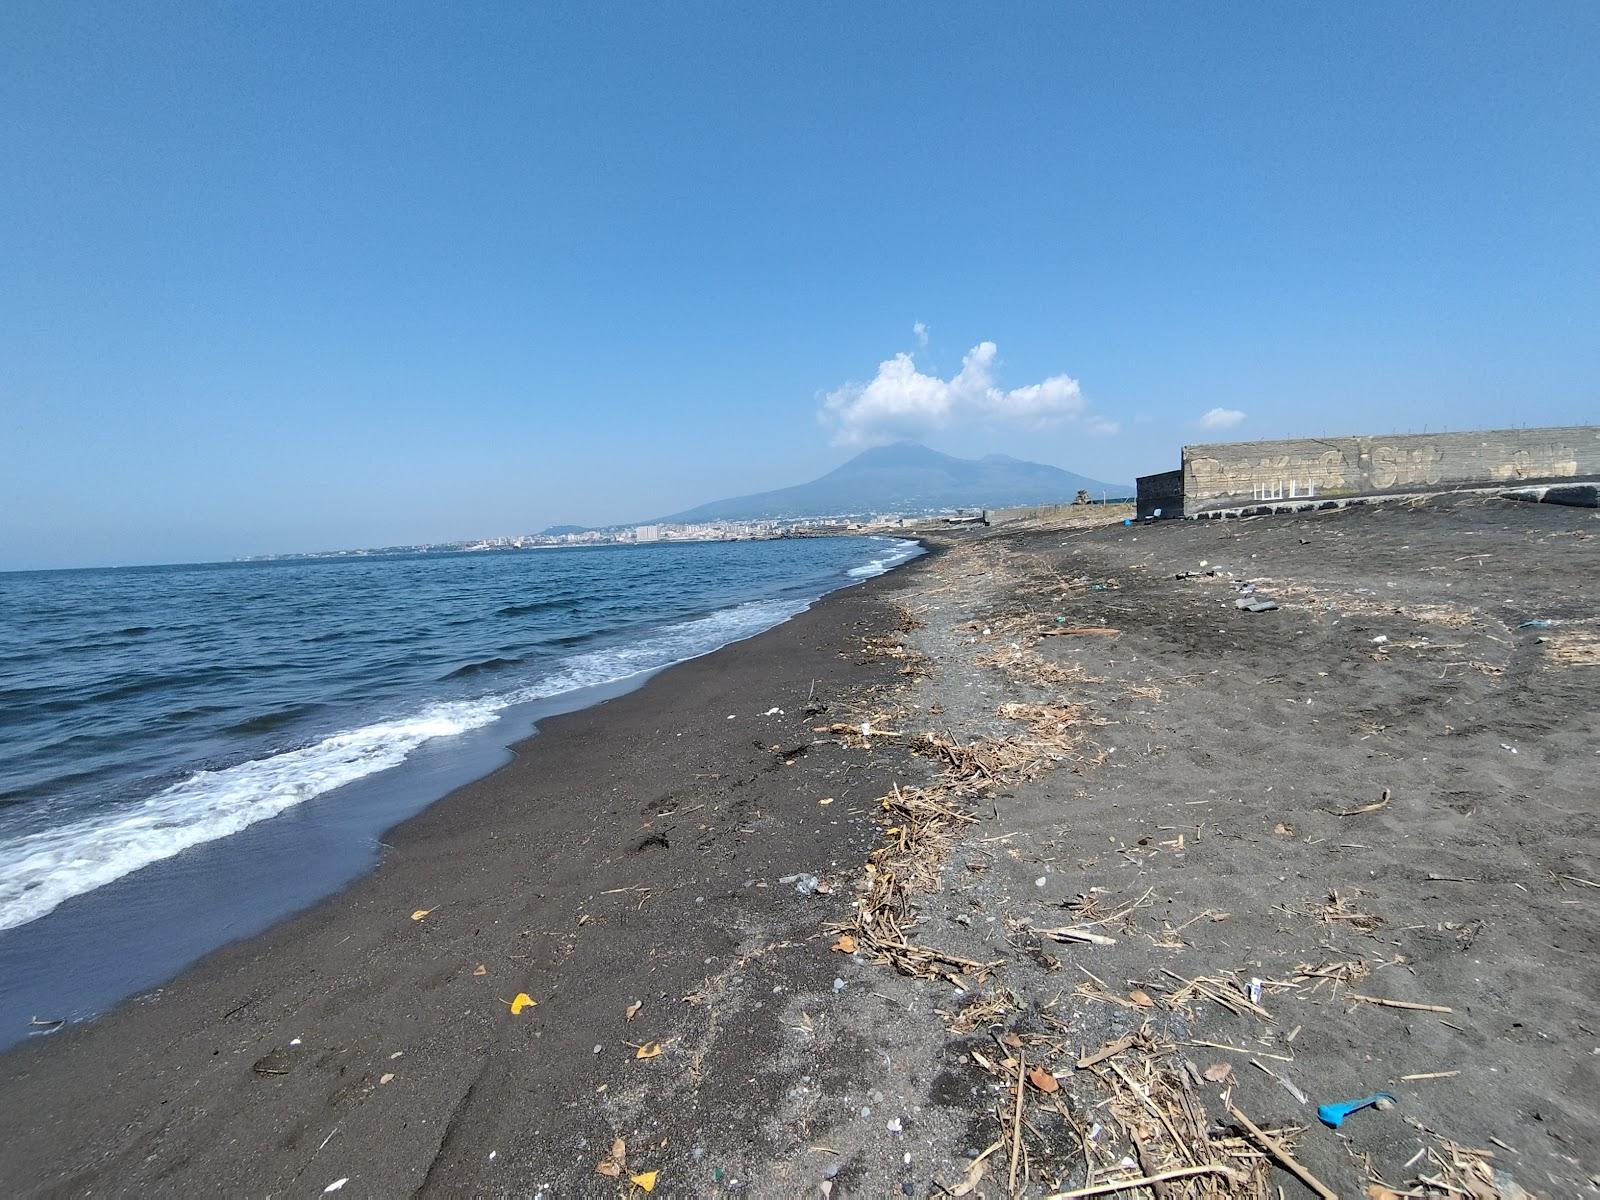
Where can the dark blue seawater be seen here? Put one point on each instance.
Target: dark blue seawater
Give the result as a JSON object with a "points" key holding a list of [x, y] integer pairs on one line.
{"points": [[174, 738]]}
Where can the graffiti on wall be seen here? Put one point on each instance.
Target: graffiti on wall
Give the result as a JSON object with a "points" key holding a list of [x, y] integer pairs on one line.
{"points": [[1351, 466], [1394, 466], [1546, 462], [1270, 477]]}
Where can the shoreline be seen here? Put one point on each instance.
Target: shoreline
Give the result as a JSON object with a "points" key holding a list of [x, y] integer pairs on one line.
{"points": [[101, 947], [58, 1087]]}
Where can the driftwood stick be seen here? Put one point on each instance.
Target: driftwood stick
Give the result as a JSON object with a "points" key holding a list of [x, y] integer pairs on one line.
{"points": [[1117, 1185], [1275, 1148], [1016, 1122], [1387, 1003]]}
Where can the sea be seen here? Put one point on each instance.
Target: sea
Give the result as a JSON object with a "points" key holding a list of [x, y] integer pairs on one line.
{"points": [[188, 754]]}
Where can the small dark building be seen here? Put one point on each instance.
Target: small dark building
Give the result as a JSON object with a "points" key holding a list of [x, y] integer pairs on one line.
{"points": [[1160, 495]]}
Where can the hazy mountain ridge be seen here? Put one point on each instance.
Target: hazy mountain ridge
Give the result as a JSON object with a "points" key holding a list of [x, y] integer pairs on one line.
{"points": [[907, 477]]}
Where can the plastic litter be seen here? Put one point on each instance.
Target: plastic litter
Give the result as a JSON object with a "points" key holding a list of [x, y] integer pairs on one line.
{"points": [[1333, 1115], [1539, 623]]}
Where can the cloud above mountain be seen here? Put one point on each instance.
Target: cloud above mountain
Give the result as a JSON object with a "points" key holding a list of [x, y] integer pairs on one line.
{"points": [[904, 401], [1220, 418]]}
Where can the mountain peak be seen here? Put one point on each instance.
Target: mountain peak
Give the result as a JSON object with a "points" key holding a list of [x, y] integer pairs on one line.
{"points": [[908, 477]]}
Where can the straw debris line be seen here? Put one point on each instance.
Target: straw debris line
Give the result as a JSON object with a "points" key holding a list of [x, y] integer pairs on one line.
{"points": [[1126, 1118]]}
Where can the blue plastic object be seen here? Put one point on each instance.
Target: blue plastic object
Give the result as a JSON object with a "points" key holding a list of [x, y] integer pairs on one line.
{"points": [[1333, 1115]]}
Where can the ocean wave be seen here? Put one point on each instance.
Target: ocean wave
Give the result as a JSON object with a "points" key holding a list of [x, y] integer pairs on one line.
{"points": [[900, 550], [41, 870], [537, 606], [478, 668], [268, 721]]}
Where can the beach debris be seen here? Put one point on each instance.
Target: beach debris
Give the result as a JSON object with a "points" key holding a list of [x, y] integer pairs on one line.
{"points": [[981, 1013], [336, 1185], [611, 1166], [1016, 1127], [480, 970], [1217, 1072], [1407, 1004], [826, 800], [1333, 1115], [632, 1010], [1223, 991], [1109, 1050], [1381, 802], [386, 1077], [43, 1026], [1283, 1081], [420, 913], [1277, 1150], [521, 1001], [974, 1176], [1082, 631], [1069, 933], [1537, 623], [845, 945], [648, 1050], [1043, 1080], [645, 1181], [803, 883]]}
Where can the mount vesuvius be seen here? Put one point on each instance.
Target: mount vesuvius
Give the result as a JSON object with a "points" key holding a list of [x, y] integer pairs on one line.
{"points": [[907, 477]]}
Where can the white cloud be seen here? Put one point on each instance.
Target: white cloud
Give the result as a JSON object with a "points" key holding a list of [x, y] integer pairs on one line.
{"points": [[1221, 418], [902, 401], [921, 330], [1101, 425]]}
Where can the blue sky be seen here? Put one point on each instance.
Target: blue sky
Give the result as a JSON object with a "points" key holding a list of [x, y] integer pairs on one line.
{"points": [[279, 277]]}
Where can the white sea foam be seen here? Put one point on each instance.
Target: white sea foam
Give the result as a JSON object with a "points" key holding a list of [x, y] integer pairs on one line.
{"points": [[900, 550], [39, 871]]}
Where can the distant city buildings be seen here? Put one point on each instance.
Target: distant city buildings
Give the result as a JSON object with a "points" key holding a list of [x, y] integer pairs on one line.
{"points": [[627, 535]]}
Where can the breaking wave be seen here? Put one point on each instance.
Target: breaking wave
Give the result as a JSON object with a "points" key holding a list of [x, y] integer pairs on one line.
{"points": [[901, 549], [42, 870]]}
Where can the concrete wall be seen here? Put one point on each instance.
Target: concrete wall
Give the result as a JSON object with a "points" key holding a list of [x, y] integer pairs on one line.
{"points": [[1160, 495], [1228, 475]]}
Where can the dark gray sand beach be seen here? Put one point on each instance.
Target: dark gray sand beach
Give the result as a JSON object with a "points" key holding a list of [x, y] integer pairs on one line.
{"points": [[1038, 866]]}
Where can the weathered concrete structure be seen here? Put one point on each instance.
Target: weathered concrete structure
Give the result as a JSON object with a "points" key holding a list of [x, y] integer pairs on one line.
{"points": [[1228, 476], [1160, 495]]}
